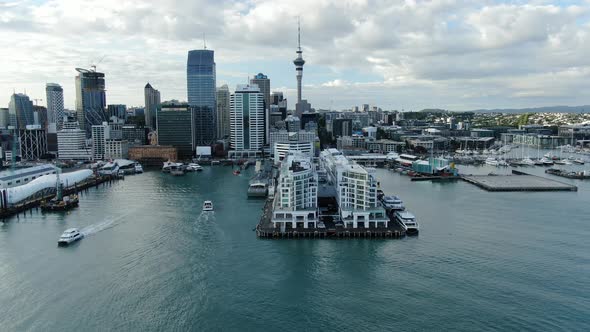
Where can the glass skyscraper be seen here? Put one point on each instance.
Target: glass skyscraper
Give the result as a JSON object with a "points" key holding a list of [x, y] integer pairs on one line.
{"points": [[55, 107], [20, 111], [201, 91], [90, 99]]}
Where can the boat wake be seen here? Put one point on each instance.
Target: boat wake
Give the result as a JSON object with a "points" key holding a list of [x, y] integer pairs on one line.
{"points": [[103, 225], [206, 216]]}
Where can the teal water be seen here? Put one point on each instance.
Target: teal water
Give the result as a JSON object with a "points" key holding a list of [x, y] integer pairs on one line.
{"points": [[153, 261]]}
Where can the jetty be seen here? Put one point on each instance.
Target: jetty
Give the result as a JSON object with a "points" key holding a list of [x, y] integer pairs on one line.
{"points": [[518, 181]]}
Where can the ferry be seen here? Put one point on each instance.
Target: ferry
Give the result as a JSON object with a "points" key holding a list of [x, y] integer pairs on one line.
{"points": [[257, 189], [166, 168], [207, 206], [69, 236], [393, 203], [110, 168], [408, 222]]}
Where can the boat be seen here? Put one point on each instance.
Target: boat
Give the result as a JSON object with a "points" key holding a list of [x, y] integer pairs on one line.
{"points": [[492, 161], [138, 168], [579, 161], [194, 167], [167, 167], [408, 221], [69, 236], [527, 161], [257, 189], [109, 169], [236, 172], [207, 206], [546, 161], [177, 170], [560, 162], [393, 203], [59, 202]]}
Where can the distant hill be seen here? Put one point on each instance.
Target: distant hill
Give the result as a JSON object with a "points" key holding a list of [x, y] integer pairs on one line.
{"points": [[548, 109]]}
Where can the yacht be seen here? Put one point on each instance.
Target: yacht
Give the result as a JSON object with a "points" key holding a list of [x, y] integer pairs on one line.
{"points": [[579, 161], [138, 168], [194, 167], [393, 203], [69, 236], [492, 161], [168, 165], [546, 161], [408, 222], [527, 161], [207, 206]]}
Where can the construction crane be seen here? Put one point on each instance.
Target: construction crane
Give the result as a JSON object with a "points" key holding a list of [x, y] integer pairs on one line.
{"points": [[93, 66]]}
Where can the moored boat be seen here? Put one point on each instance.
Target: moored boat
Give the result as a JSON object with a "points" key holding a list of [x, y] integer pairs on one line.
{"points": [[408, 221]]}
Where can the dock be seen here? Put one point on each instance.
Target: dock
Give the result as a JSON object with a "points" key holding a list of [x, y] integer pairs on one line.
{"points": [[518, 181], [266, 230]]}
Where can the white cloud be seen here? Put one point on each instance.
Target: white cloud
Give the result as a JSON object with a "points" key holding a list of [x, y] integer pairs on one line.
{"points": [[450, 53]]}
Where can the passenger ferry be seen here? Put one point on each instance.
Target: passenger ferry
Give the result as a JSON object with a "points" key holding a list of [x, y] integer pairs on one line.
{"points": [[393, 203], [408, 222], [69, 236], [207, 206]]}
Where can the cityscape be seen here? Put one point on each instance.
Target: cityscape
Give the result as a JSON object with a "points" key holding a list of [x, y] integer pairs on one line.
{"points": [[261, 201]]}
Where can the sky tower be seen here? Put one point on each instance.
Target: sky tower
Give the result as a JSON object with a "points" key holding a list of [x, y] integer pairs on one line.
{"points": [[299, 62]]}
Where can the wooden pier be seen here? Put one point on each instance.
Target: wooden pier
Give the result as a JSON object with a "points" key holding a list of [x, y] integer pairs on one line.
{"points": [[265, 229], [518, 181]]}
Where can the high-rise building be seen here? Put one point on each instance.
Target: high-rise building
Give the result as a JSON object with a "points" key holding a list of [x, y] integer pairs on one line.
{"points": [[152, 105], [341, 127], [55, 107], [223, 110], [117, 110], [201, 91], [263, 84], [20, 111], [100, 135], [175, 128], [71, 143], [276, 97], [4, 122], [246, 121], [90, 99]]}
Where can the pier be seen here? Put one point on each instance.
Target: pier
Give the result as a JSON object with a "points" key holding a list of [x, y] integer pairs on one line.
{"points": [[265, 229], [518, 181]]}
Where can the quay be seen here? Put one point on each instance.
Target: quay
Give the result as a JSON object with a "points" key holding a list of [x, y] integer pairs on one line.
{"points": [[518, 181], [35, 201], [265, 229], [584, 175]]}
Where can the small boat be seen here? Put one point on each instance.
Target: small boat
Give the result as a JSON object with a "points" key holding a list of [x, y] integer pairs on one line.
{"points": [[168, 165], [207, 206], [194, 167], [138, 168], [492, 161], [177, 170], [546, 161], [579, 161], [236, 172], [408, 221], [69, 236], [60, 204]]}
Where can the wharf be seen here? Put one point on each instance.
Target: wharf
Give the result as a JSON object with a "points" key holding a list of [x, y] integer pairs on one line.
{"points": [[569, 174], [34, 202], [518, 181], [435, 178], [265, 229]]}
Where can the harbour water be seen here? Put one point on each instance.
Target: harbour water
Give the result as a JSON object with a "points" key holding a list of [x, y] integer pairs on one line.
{"points": [[151, 260]]}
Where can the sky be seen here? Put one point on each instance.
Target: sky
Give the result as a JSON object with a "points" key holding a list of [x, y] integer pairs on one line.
{"points": [[410, 55]]}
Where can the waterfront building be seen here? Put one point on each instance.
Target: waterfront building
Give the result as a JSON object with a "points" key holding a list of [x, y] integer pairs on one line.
{"points": [[71, 143], [540, 141], [175, 123], [152, 105], [283, 143], [18, 177], [356, 191], [153, 155], [296, 198], [20, 111], [117, 110], [201, 91], [116, 149], [575, 132], [223, 112], [135, 135], [55, 107], [90, 99], [100, 134], [33, 142], [246, 121]]}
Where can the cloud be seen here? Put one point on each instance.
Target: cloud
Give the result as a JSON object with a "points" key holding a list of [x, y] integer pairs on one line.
{"points": [[448, 53]]}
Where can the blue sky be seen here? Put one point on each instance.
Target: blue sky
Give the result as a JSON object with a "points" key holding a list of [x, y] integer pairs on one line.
{"points": [[410, 54]]}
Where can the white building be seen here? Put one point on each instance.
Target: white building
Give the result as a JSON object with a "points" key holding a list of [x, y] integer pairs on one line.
{"points": [[100, 134], [283, 149], [356, 191], [296, 198], [116, 149], [71, 143], [247, 125], [18, 177], [55, 107]]}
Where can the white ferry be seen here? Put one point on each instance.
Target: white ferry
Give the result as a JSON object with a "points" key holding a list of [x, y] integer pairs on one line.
{"points": [[393, 203], [207, 206], [408, 222], [69, 236]]}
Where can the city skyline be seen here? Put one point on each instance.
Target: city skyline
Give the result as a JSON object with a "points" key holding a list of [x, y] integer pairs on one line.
{"points": [[409, 55]]}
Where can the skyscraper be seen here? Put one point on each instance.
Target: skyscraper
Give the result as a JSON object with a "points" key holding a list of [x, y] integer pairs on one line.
{"points": [[223, 109], [299, 62], [90, 99], [247, 121], [201, 91], [152, 105], [55, 107], [20, 111], [264, 85], [175, 128]]}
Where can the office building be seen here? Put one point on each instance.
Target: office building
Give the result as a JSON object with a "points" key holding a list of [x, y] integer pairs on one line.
{"points": [[341, 127], [276, 97], [296, 200], [136, 136], [117, 110], [223, 111], [20, 111], [90, 99], [356, 191], [116, 149], [152, 105], [33, 142], [246, 121], [71, 143], [4, 118], [100, 134], [263, 84], [55, 107], [201, 91], [175, 128]]}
